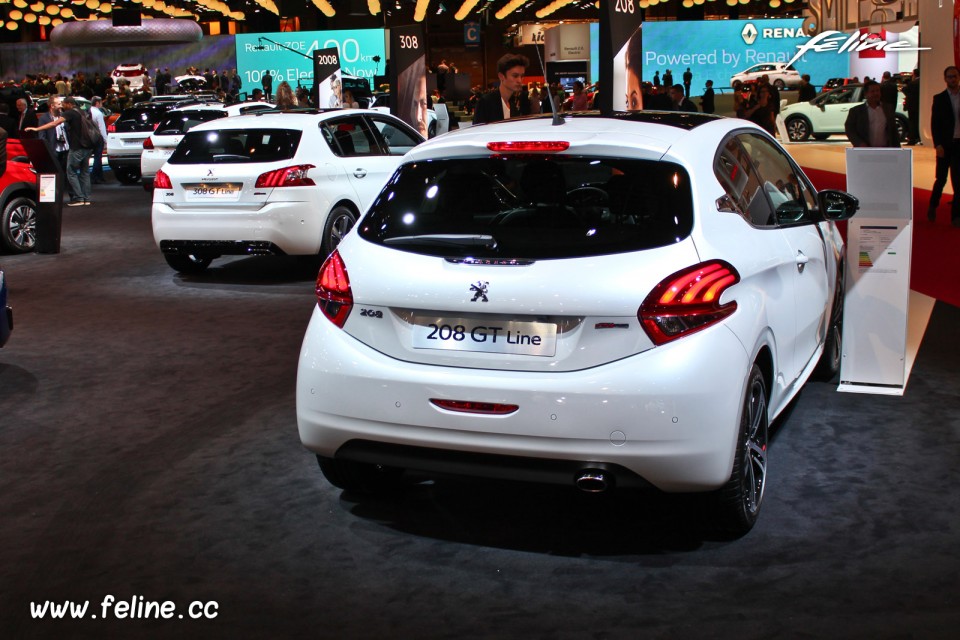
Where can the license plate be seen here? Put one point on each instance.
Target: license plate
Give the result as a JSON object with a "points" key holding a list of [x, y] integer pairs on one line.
{"points": [[213, 191], [488, 336]]}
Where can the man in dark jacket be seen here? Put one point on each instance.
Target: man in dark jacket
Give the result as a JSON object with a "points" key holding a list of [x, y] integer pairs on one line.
{"points": [[503, 103], [945, 128], [680, 101], [871, 124], [911, 104]]}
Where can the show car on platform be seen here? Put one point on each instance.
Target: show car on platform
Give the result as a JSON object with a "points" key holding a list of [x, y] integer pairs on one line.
{"points": [[273, 182], [780, 75], [622, 300], [826, 114]]}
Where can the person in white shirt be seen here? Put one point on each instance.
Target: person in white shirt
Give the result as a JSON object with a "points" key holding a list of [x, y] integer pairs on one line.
{"points": [[96, 174]]}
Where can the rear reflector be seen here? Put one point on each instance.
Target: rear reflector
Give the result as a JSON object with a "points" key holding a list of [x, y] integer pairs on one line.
{"points": [[528, 146], [486, 408]]}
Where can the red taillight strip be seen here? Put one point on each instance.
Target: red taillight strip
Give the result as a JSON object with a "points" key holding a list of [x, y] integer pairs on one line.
{"points": [[528, 146], [295, 176], [334, 296], [688, 301], [466, 406], [162, 181]]}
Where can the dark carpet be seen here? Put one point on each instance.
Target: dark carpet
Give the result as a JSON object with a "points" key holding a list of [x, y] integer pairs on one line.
{"points": [[149, 450]]}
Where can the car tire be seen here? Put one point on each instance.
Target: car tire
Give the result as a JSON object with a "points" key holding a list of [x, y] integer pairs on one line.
{"points": [[339, 222], [737, 503], [187, 262], [829, 365], [127, 176], [19, 233], [359, 477], [798, 129]]}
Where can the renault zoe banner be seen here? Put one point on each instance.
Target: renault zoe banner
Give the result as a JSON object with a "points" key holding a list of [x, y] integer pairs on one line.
{"points": [[326, 69], [621, 40], [408, 76], [719, 49], [289, 55]]}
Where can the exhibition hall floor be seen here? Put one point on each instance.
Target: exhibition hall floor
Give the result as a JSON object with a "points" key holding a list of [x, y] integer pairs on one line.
{"points": [[150, 453]]}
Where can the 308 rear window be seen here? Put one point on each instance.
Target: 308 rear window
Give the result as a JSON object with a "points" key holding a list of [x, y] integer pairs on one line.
{"points": [[178, 122], [236, 146], [531, 207]]}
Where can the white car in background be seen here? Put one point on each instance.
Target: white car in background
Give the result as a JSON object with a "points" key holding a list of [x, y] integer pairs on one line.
{"points": [[781, 75], [826, 114], [133, 74], [158, 147], [272, 182], [617, 301]]}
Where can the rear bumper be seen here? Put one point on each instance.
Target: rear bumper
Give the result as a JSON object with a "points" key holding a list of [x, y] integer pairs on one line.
{"points": [[668, 417], [215, 248], [291, 228]]}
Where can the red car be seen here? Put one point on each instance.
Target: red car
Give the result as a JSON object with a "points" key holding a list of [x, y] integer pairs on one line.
{"points": [[18, 201]]}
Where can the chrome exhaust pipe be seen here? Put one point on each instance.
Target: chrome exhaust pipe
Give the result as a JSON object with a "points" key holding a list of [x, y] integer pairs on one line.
{"points": [[592, 481]]}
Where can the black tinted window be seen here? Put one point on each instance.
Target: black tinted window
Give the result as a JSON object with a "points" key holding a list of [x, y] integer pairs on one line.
{"points": [[179, 122], [531, 207], [236, 145], [142, 118]]}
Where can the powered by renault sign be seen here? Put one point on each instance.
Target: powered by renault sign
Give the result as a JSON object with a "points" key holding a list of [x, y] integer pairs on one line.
{"points": [[717, 49]]}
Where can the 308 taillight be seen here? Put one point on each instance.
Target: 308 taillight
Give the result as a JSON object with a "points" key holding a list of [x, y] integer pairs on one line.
{"points": [[688, 301], [162, 181], [296, 176], [334, 296]]}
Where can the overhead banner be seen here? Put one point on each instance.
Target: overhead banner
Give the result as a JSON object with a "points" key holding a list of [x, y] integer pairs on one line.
{"points": [[408, 76], [621, 47], [289, 55], [326, 68]]}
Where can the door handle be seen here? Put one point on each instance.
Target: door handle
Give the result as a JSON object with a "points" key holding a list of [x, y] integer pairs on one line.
{"points": [[802, 261], [359, 172]]}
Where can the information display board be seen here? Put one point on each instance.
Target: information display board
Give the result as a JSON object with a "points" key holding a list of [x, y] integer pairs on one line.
{"points": [[879, 240]]}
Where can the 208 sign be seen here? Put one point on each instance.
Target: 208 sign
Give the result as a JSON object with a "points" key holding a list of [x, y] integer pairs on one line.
{"points": [[624, 6]]}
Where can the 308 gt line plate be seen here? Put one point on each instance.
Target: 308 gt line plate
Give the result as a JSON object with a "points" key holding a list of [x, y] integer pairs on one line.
{"points": [[213, 191], [488, 336]]}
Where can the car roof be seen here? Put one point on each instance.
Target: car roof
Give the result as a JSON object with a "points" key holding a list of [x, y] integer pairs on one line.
{"points": [[294, 118], [646, 134], [237, 108]]}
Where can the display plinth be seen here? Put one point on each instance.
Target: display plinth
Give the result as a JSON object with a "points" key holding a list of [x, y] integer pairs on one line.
{"points": [[879, 240], [50, 184]]}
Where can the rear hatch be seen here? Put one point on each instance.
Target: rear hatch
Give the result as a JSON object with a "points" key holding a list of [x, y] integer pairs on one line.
{"points": [[175, 124], [228, 168], [135, 124], [517, 262]]}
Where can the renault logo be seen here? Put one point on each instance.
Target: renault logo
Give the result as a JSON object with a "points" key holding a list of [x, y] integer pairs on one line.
{"points": [[749, 33]]}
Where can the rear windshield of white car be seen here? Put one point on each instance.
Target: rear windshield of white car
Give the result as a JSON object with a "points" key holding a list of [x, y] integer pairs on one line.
{"points": [[178, 122], [233, 146], [531, 207]]}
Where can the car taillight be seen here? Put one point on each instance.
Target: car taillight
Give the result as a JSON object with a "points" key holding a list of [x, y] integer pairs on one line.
{"points": [[111, 128], [287, 177], [528, 146], [334, 296], [162, 181], [148, 144], [688, 301]]}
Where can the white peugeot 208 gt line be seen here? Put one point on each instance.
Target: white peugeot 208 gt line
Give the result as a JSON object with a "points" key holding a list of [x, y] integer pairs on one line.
{"points": [[622, 300]]}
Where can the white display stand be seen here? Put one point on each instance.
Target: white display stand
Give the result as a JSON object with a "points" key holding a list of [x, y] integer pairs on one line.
{"points": [[443, 117], [879, 240]]}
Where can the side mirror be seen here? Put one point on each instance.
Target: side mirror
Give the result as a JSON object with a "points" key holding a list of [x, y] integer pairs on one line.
{"points": [[837, 205], [821, 107]]}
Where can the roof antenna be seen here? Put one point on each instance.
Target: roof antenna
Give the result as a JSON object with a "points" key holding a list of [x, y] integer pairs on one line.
{"points": [[557, 120]]}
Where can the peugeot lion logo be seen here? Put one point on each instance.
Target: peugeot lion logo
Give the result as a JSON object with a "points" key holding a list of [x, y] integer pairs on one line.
{"points": [[749, 33], [209, 172], [479, 291]]}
